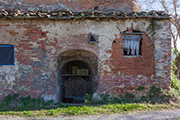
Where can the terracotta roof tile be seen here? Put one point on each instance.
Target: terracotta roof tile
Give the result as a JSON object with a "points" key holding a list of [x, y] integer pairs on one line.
{"points": [[76, 15]]}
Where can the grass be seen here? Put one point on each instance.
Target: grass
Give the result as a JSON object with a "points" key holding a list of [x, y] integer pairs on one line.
{"points": [[14, 105], [70, 110]]}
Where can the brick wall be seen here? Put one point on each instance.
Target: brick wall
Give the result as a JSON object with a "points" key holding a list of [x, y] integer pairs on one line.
{"points": [[73, 5], [39, 43], [129, 72]]}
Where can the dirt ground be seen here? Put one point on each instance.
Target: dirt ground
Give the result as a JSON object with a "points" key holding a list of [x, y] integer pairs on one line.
{"points": [[154, 115]]}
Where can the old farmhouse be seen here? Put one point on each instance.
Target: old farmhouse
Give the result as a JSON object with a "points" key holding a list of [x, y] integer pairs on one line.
{"points": [[60, 50]]}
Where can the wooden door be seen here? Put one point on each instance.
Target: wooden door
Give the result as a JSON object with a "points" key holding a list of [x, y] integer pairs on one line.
{"points": [[75, 89]]}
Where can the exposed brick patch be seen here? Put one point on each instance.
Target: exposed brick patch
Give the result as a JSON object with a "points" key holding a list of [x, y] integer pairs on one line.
{"points": [[128, 73], [134, 65]]}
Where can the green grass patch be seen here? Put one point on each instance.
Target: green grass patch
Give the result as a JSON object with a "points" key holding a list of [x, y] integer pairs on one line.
{"points": [[88, 110], [13, 105]]}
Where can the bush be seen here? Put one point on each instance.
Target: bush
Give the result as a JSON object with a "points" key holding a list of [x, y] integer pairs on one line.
{"points": [[14, 102], [88, 97], [175, 82], [105, 98], [155, 95], [175, 65]]}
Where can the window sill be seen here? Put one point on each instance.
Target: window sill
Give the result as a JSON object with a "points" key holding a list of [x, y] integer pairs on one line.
{"points": [[93, 42], [132, 56], [10, 64]]}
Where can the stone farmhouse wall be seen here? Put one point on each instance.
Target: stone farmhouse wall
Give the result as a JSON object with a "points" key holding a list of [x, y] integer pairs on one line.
{"points": [[42, 45]]}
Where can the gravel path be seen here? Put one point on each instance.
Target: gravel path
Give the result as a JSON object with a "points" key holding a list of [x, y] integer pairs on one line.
{"points": [[155, 115]]}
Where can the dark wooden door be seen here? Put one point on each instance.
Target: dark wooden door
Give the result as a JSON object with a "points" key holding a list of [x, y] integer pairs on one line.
{"points": [[75, 89]]}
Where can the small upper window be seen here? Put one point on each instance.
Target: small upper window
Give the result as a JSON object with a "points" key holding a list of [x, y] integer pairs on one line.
{"points": [[132, 44], [6, 55], [93, 38]]}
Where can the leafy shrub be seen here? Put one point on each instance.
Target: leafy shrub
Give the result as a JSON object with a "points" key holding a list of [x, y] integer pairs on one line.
{"points": [[105, 98], [88, 97], [175, 64], [128, 98], [14, 102], [175, 86], [115, 100], [175, 82], [143, 99], [154, 94], [173, 93], [141, 88]]}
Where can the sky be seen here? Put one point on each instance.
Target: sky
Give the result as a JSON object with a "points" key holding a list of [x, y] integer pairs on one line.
{"points": [[155, 6]]}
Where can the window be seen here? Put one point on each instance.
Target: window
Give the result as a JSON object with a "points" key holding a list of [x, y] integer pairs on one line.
{"points": [[92, 38], [132, 44], [6, 55]]}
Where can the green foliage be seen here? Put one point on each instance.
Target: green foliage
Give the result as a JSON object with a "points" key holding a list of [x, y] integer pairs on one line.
{"points": [[154, 92], [105, 98], [27, 106], [155, 95], [175, 52], [175, 64], [175, 82], [14, 102], [87, 110], [88, 97], [175, 86], [128, 98], [143, 99], [140, 88], [114, 100], [173, 93]]}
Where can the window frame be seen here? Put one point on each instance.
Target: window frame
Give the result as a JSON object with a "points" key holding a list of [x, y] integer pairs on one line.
{"points": [[140, 45], [12, 46]]}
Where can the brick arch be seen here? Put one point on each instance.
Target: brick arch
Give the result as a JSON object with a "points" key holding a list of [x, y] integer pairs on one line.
{"points": [[91, 50], [78, 54]]}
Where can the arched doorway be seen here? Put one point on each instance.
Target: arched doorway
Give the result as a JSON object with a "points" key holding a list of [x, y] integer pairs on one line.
{"points": [[78, 74], [76, 78]]}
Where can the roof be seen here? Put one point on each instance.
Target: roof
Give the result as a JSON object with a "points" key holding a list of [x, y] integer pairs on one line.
{"points": [[15, 14]]}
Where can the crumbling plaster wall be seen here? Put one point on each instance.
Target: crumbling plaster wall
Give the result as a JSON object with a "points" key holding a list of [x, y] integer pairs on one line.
{"points": [[38, 43]]}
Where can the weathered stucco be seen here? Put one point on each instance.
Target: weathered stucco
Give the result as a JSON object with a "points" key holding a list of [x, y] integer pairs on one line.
{"points": [[38, 44]]}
